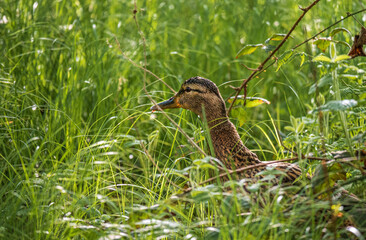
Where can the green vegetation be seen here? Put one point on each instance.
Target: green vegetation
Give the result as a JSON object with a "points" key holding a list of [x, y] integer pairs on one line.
{"points": [[82, 157]]}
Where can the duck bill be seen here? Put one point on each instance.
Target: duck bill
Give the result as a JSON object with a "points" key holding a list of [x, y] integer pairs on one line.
{"points": [[170, 103]]}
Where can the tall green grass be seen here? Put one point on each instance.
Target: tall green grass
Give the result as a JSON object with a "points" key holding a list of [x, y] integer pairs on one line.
{"points": [[81, 156]]}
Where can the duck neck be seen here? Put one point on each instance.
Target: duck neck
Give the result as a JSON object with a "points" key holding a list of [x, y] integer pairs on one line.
{"points": [[227, 144]]}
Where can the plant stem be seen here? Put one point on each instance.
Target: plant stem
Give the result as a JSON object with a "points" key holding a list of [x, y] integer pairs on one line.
{"points": [[342, 114]]}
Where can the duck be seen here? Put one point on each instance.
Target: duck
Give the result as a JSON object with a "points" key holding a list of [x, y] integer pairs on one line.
{"points": [[202, 96]]}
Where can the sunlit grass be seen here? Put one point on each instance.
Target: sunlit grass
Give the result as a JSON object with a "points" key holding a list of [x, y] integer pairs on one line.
{"points": [[81, 156]]}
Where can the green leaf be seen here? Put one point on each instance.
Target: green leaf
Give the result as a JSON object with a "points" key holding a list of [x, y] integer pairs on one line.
{"points": [[256, 101], [349, 90], [337, 105], [300, 128], [341, 57], [302, 59], [254, 187], [333, 51], [284, 58], [338, 30], [277, 37], [321, 58], [251, 101], [344, 43], [289, 128], [293, 121], [326, 80], [322, 43], [320, 99], [241, 114], [206, 166], [200, 162], [350, 76], [248, 49]]}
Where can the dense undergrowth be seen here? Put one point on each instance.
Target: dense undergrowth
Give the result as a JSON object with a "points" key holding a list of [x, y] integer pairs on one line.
{"points": [[81, 156]]}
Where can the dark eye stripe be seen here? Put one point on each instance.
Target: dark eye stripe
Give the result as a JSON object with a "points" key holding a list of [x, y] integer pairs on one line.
{"points": [[188, 89]]}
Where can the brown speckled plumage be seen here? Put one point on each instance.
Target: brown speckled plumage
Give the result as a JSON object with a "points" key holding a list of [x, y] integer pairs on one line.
{"points": [[199, 93]]}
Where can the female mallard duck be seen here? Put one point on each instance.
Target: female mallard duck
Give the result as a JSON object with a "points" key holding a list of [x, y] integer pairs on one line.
{"points": [[202, 97]]}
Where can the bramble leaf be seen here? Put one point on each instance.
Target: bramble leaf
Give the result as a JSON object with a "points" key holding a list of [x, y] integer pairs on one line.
{"points": [[338, 30], [322, 43], [321, 58], [248, 49], [251, 101], [277, 37], [325, 80], [344, 43], [341, 57], [284, 58]]}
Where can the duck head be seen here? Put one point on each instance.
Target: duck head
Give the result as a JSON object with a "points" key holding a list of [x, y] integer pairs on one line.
{"points": [[198, 95]]}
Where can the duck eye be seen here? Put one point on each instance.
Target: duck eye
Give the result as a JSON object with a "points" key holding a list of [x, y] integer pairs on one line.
{"points": [[188, 89]]}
